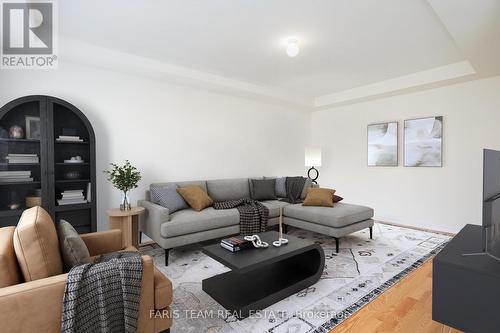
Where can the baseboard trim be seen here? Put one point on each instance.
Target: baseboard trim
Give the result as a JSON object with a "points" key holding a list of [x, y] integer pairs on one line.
{"points": [[447, 233]]}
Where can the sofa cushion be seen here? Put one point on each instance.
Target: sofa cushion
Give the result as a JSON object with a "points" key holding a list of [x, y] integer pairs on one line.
{"points": [[200, 183], [228, 189], [319, 197], [9, 269], [189, 221], [37, 246], [195, 197], [274, 207], [167, 196], [340, 215], [163, 290], [73, 249], [263, 189]]}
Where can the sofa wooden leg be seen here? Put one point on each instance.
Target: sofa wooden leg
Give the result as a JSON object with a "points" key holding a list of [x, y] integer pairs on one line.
{"points": [[166, 256], [337, 241], [140, 238], [371, 232]]}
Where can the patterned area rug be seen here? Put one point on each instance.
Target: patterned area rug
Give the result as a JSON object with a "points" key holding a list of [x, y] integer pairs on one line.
{"points": [[362, 270]]}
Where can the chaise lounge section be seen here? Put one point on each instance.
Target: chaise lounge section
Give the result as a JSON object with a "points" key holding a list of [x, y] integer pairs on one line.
{"points": [[187, 226]]}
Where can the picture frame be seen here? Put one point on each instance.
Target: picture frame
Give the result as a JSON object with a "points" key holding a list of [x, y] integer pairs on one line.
{"points": [[423, 142], [383, 144], [33, 128]]}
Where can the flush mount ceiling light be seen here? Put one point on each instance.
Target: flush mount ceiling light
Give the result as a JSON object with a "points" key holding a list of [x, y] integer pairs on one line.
{"points": [[292, 47]]}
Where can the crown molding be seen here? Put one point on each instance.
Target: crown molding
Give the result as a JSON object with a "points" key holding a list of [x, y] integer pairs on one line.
{"points": [[399, 84], [79, 52]]}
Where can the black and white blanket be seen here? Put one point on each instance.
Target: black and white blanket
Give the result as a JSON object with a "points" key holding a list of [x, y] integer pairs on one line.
{"points": [[103, 296], [253, 214]]}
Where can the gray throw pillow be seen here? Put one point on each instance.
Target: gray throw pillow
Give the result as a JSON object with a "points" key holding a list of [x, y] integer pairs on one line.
{"points": [[168, 197], [250, 184], [281, 187], [73, 248], [307, 184], [264, 189]]}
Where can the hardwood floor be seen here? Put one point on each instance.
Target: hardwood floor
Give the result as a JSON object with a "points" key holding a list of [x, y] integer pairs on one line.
{"points": [[406, 308]]}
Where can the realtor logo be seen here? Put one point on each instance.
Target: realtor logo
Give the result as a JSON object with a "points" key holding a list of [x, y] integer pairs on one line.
{"points": [[28, 34]]}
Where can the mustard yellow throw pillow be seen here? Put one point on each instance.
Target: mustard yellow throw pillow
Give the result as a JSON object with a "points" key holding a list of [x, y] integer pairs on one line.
{"points": [[195, 197], [319, 197]]}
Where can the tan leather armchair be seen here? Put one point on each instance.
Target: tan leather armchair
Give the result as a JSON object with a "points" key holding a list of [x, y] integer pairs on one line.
{"points": [[31, 295]]}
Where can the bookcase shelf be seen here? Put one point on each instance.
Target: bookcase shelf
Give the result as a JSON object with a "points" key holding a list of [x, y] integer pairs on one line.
{"points": [[72, 142], [57, 117], [73, 181], [65, 208], [20, 183], [19, 140], [19, 164]]}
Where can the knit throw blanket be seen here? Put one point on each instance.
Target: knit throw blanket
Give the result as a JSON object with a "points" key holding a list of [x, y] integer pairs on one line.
{"points": [[253, 214], [103, 296], [294, 187]]}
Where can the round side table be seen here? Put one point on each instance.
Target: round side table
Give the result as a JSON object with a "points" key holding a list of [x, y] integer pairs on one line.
{"points": [[128, 222]]}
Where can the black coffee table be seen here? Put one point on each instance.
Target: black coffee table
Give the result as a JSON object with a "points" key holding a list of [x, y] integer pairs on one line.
{"points": [[261, 277]]}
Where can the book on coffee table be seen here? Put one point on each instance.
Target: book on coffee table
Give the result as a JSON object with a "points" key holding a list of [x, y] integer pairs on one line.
{"points": [[235, 244]]}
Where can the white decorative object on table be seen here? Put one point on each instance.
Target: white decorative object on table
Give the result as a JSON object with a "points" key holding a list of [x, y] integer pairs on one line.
{"points": [[281, 240], [256, 241]]}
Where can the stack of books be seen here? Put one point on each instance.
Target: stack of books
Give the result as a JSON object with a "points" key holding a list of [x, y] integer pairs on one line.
{"points": [[15, 176], [22, 158], [69, 138], [235, 244], [71, 197]]}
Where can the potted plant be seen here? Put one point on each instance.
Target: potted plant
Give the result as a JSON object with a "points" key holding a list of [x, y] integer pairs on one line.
{"points": [[124, 178]]}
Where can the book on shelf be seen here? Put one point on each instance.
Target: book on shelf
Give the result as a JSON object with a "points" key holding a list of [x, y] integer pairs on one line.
{"points": [[15, 174], [69, 138], [15, 180], [62, 202], [22, 158], [71, 197], [23, 155], [89, 192]]}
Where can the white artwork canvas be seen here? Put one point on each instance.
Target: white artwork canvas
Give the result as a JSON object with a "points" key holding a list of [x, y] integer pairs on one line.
{"points": [[424, 142], [383, 144]]}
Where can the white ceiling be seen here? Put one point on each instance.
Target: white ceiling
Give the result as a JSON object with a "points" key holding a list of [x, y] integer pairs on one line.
{"points": [[344, 43]]}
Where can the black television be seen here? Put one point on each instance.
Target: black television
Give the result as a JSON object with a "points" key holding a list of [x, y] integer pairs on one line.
{"points": [[491, 197], [491, 205]]}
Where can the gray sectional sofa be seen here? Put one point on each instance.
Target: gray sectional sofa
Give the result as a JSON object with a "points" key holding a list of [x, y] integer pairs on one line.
{"points": [[170, 230]]}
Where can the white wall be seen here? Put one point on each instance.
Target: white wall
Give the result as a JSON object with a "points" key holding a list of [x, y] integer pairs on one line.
{"points": [[170, 132], [444, 198]]}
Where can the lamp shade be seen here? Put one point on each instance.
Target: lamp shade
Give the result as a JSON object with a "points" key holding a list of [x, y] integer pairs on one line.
{"points": [[312, 157]]}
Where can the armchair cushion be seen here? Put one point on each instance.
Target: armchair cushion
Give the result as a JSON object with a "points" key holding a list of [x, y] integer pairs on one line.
{"points": [[9, 269], [73, 248], [36, 245]]}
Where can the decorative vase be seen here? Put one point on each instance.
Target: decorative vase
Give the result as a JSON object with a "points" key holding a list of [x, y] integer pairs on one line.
{"points": [[125, 205], [16, 132]]}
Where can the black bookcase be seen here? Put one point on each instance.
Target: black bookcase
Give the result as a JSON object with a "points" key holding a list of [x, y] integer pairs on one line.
{"points": [[51, 175]]}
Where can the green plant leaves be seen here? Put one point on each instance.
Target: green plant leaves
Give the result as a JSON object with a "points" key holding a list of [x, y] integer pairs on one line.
{"points": [[125, 177]]}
